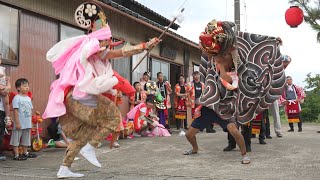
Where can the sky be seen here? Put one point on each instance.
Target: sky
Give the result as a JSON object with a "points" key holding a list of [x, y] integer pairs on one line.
{"points": [[257, 16]]}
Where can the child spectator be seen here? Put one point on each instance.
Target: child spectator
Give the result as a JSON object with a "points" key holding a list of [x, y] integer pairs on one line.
{"points": [[22, 113], [138, 97]]}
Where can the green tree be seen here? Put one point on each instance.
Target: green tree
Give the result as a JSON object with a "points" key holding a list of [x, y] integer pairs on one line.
{"points": [[311, 10], [311, 107]]}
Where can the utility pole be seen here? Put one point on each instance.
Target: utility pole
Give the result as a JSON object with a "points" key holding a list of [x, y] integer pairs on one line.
{"points": [[237, 14]]}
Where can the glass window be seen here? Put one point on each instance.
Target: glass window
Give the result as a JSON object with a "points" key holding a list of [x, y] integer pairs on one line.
{"points": [[196, 68], [68, 32], [160, 66], [155, 69], [122, 65], [165, 70], [9, 36], [143, 67]]}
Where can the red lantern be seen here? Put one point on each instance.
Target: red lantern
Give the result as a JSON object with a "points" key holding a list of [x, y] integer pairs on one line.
{"points": [[294, 16]]}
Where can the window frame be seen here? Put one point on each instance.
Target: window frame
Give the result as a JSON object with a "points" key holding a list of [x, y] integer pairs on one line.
{"points": [[154, 58], [147, 64], [115, 39], [14, 62], [68, 25], [195, 64]]}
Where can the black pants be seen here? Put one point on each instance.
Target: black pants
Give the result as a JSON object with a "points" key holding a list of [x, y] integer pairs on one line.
{"points": [[262, 134], [246, 133], [267, 123], [210, 127], [299, 124], [2, 128]]}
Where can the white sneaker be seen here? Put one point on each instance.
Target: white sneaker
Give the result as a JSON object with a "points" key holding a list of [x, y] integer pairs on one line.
{"points": [[64, 172], [88, 152], [116, 145], [182, 133]]}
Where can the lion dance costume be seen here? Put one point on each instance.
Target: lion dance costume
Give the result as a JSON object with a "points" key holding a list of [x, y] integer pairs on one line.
{"points": [[257, 72], [86, 79]]}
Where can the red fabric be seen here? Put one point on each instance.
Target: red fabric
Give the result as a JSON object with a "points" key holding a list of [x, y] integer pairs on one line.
{"points": [[110, 96], [258, 117], [66, 91], [257, 123], [30, 95], [166, 113], [13, 94], [123, 85], [181, 105], [137, 125], [109, 138], [293, 108], [6, 142]]}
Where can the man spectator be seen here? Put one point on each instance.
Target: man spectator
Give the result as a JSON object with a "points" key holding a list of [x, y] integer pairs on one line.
{"points": [[291, 98], [196, 88]]}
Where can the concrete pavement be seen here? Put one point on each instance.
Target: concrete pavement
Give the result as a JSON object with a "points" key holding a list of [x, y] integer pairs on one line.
{"points": [[295, 156]]}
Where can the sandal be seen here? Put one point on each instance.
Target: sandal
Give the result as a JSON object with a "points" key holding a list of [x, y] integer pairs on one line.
{"points": [[29, 155], [245, 160], [189, 152], [19, 158]]}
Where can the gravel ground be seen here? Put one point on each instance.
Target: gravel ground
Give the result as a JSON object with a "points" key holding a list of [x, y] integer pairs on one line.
{"points": [[295, 156]]}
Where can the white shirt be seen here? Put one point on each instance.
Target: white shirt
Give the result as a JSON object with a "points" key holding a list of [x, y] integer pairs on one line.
{"points": [[290, 87], [1, 104]]}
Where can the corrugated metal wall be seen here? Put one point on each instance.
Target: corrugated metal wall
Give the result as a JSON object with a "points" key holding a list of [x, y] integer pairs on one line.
{"points": [[58, 9], [37, 36]]}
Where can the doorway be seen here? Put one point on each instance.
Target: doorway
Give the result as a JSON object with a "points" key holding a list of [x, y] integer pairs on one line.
{"points": [[175, 72]]}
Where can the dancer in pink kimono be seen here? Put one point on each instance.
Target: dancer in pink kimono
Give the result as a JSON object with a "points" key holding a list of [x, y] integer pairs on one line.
{"points": [[85, 73]]}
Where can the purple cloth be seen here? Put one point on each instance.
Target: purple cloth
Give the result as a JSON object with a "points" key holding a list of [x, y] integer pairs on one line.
{"points": [[162, 117]]}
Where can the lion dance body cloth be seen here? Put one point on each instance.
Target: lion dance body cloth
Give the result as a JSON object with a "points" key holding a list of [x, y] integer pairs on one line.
{"points": [[257, 72]]}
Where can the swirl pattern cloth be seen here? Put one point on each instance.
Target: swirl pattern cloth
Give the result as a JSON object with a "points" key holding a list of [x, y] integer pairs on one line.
{"points": [[261, 80]]}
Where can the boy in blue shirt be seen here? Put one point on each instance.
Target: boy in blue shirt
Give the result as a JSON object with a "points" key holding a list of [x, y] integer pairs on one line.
{"points": [[22, 113]]}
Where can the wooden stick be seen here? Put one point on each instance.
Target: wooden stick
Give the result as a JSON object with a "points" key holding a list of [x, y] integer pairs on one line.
{"points": [[135, 67]]}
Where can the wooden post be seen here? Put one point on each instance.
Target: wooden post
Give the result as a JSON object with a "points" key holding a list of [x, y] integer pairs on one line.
{"points": [[237, 14]]}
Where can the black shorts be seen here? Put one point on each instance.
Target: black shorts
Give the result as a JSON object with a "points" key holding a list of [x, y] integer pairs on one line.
{"points": [[208, 116]]}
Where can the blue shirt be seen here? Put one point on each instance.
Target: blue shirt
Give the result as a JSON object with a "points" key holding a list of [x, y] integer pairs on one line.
{"points": [[24, 106], [291, 93]]}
